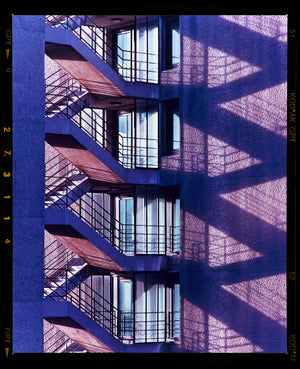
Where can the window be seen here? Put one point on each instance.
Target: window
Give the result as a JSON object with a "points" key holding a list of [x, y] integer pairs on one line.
{"points": [[158, 220], [91, 122], [125, 306], [172, 126], [94, 38], [175, 237], [127, 224], [137, 50], [146, 28], [126, 139], [125, 55], [138, 135], [172, 39]]}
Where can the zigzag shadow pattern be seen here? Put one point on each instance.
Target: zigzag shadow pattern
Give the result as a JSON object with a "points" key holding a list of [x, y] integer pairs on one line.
{"points": [[232, 170]]}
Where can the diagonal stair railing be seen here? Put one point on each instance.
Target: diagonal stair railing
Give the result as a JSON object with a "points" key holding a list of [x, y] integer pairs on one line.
{"points": [[57, 257], [56, 341], [94, 214], [132, 65], [89, 301], [66, 99], [142, 326], [126, 238], [64, 96], [58, 172]]}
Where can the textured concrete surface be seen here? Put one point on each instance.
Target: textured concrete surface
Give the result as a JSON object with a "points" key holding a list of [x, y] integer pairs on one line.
{"points": [[232, 173], [28, 194], [231, 169]]}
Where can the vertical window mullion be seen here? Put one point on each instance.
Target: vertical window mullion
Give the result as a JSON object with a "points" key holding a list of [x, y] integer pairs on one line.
{"points": [[147, 136], [146, 218], [135, 48], [132, 140], [157, 310], [131, 52], [146, 307], [134, 219], [158, 223], [147, 54]]}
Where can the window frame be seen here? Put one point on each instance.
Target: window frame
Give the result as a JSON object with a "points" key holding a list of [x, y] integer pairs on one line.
{"points": [[170, 22]]}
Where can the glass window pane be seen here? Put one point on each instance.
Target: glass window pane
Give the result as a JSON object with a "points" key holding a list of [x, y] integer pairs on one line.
{"points": [[140, 308], [176, 226], [176, 131], [176, 309], [175, 43], [126, 301], [98, 126], [99, 41], [127, 224], [125, 140], [124, 54], [147, 134], [141, 222], [86, 35]]}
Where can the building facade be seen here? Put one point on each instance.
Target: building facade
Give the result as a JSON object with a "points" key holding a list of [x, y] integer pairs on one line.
{"points": [[155, 147]]}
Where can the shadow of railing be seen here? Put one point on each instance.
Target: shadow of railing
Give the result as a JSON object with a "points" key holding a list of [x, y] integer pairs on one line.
{"points": [[231, 170]]}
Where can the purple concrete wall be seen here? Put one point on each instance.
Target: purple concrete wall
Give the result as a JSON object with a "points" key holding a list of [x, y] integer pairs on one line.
{"points": [[233, 183]]}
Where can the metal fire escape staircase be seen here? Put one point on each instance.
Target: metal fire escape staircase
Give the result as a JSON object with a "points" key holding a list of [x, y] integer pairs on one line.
{"points": [[106, 71], [85, 138], [78, 311], [80, 317]]}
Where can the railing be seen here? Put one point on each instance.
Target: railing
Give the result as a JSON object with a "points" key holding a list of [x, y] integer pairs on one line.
{"points": [[136, 152], [56, 341], [132, 65], [57, 170], [88, 301], [57, 258], [66, 99], [151, 326], [63, 95], [126, 238]]}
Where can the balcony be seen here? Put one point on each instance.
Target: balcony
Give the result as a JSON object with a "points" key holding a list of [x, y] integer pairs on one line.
{"points": [[102, 300], [112, 214], [112, 136], [129, 44], [93, 56]]}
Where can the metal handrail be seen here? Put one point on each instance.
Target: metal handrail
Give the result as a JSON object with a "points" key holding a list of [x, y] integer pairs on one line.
{"points": [[56, 343], [88, 301], [63, 101], [107, 53], [121, 324], [61, 173], [126, 238]]}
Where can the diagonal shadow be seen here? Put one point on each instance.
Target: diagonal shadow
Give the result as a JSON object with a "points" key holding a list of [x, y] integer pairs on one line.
{"points": [[219, 303], [255, 46], [202, 283]]}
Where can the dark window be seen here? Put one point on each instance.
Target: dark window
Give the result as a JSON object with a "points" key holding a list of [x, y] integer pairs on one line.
{"points": [[172, 126], [172, 42]]}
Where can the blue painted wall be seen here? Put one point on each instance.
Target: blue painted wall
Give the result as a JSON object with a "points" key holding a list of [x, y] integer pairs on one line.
{"points": [[231, 170], [232, 183], [28, 182]]}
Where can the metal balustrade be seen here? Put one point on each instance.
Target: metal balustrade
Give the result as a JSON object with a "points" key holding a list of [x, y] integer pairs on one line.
{"points": [[88, 301], [57, 258], [56, 341], [126, 238], [66, 99], [132, 65], [57, 170], [143, 326]]}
